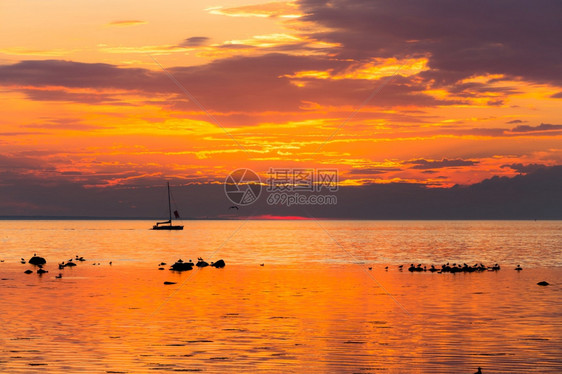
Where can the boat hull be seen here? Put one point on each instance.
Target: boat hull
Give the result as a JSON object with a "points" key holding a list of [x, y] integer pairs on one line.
{"points": [[167, 227]]}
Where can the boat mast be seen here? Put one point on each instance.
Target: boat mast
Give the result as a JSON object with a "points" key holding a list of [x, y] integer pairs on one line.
{"points": [[169, 204]]}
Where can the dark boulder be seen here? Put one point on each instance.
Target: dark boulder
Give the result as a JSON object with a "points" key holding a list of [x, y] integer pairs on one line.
{"points": [[219, 264], [36, 260], [182, 266]]}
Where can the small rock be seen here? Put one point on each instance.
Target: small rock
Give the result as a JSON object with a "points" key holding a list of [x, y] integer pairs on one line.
{"points": [[36, 260], [543, 283], [219, 264], [201, 264], [182, 266]]}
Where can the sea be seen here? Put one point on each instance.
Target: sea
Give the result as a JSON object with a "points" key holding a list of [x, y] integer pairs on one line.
{"points": [[295, 296]]}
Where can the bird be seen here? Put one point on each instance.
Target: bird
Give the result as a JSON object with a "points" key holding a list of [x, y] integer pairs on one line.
{"points": [[386, 268], [233, 207], [370, 268], [479, 371], [262, 264], [58, 276], [518, 268]]}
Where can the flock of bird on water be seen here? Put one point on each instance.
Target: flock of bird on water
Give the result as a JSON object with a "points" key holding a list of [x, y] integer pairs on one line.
{"points": [[181, 265]]}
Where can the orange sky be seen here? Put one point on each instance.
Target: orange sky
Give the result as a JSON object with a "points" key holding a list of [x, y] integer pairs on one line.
{"points": [[83, 100]]}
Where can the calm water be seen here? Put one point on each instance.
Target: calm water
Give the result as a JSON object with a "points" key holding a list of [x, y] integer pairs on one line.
{"points": [[313, 307]]}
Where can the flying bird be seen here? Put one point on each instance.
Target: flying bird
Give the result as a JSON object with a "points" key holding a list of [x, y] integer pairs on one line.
{"points": [[233, 207]]}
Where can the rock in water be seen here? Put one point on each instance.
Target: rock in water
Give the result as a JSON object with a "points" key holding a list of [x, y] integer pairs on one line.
{"points": [[543, 283], [182, 266], [28, 271], [36, 260], [219, 264]]}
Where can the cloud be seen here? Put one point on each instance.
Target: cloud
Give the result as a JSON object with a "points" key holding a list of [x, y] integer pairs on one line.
{"points": [[71, 74], [63, 124], [283, 9], [532, 196], [557, 95], [235, 84], [525, 169], [542, 127], [194, 41], [73, 96], [515, 121], [438, 164], [372, 171], [126, 23], [461, 39]]}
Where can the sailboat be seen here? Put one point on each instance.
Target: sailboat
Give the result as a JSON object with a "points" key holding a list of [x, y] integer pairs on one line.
{"points": [[167, 225]]}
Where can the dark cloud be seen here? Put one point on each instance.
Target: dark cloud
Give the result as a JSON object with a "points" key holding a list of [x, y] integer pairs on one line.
{"points": [[533, 196], [194, 41], [372, 171], [525, 169], [541, 127], [517, 38], [471, 89], [63, 124], [76, 97], [20, 133], [437, 164], [239, 84], [9, 162], [515, 121], [557, 95], [71, 74]]}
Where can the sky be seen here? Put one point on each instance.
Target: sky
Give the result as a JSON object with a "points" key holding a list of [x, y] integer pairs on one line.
{"points": [[114, 96]]}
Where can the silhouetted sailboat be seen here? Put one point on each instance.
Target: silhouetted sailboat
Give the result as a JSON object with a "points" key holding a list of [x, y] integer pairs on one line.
{"points": [[167, 225]]}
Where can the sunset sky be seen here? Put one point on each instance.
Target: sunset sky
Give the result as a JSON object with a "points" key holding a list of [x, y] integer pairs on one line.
{"points": [[429, 92]]}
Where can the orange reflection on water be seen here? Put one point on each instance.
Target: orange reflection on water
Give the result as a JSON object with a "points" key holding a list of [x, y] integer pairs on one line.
{"points": [[313, 318]]}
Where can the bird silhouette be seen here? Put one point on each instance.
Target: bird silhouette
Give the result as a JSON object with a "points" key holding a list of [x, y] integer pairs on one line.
{"points": [[233, 207], [479, 371]]}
